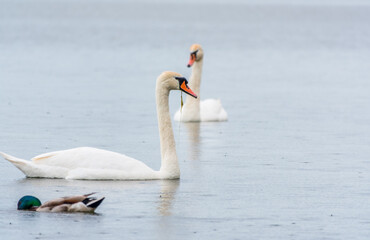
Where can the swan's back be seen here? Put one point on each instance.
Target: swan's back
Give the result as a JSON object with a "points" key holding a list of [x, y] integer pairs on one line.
{"points": [[91, 158], [212, 110]]}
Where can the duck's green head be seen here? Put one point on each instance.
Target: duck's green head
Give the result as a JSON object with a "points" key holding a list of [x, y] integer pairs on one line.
{"points": [[28, 203]]}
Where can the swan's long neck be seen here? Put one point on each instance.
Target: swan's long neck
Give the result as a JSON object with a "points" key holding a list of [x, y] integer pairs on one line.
{"points": [[194, 82], [192, 105], [170, 165]]}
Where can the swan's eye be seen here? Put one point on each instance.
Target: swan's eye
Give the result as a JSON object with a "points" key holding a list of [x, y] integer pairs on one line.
{"points": [[193, 55], [181, 80]]}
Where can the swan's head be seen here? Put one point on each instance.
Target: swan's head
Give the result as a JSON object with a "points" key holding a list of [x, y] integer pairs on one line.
{"points": [[174, 81], [28, 203], [196, 54]]}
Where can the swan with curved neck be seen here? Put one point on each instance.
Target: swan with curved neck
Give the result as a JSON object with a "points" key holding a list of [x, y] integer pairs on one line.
{"points": [[93, 163], [195, 110]]}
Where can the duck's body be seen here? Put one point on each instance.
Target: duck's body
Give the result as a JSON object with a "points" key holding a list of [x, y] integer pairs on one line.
{"points": [[195, 110], [91, 163], [82, 203]]}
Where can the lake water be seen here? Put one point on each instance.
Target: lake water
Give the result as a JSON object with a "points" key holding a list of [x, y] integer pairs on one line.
{"points": [[292, 162]]}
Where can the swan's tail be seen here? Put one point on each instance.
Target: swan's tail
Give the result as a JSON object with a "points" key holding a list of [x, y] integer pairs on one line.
{"points": [[31, 169], [21, 164], [13, 159]]}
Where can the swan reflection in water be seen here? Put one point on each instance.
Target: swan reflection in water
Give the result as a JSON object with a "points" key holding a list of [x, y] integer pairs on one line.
{"points": [[193, 129], [167, 195], [166, 226]]}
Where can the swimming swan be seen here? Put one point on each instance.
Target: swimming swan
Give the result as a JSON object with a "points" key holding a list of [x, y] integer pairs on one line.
{"points": [[195, 110], [92, 163]]}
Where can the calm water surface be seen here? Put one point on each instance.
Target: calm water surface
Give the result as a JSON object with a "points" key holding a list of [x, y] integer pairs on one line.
{"points": [[292, 162]]}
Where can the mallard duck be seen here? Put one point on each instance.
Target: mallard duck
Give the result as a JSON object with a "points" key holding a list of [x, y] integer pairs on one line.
{"points": [[82, 203]]}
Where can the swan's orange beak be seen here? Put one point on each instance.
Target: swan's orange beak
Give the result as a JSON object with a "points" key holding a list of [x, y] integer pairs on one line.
{"points": [[187, 90], [192, 59]]}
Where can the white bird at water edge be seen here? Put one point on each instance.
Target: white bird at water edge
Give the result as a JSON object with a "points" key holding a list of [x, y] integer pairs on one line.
{"points": [[194, 110], [92, 163]]}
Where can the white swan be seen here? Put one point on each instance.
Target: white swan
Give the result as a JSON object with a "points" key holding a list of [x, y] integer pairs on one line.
{"points": [[195, 110], [92, 163]]}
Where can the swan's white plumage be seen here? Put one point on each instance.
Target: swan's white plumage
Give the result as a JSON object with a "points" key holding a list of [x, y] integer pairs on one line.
{"points": [[211, 110], [92, 163], [195, 110], [84, 163]]}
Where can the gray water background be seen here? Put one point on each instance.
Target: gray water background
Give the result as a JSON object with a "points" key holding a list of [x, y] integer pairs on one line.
{"points": [[292, 162]]}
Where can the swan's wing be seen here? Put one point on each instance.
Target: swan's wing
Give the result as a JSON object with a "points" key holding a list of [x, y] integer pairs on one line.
{"points": [[212, 110], [91, 158], [45, 156]]}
